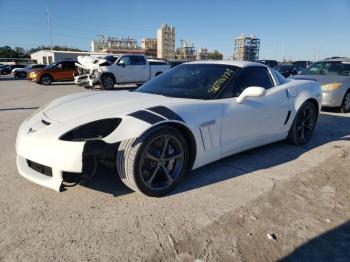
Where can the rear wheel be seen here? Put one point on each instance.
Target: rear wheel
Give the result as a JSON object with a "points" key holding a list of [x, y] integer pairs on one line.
{"points": [[345, 107], [107, 82], [303, 124], [155, 162], [46, 80]]}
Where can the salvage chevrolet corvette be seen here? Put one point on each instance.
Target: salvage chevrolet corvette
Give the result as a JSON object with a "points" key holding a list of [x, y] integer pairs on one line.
{"points": [[187, 117]]}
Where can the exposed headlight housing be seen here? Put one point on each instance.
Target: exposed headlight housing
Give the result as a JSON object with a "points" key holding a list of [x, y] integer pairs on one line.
{"points": [[331, 86], [93, 130]]}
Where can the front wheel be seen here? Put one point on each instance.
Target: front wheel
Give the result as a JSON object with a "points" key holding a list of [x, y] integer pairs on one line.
{"points": [[107, 82], [303, 124], [345, 107], [46, 80], [155, 162]]}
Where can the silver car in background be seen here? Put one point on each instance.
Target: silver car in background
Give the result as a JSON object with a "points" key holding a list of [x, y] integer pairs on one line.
{"points": [[334, 77]]}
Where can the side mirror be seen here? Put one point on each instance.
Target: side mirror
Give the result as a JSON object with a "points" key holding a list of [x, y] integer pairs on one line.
{"points": [[121, 63], [252, 91]]}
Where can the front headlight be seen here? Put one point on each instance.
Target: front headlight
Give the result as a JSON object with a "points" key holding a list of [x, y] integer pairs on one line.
{"points": [[93, 130], [331, 86]]}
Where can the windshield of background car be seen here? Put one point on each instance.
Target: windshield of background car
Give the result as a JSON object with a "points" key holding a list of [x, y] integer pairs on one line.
{"points": [[51, 65], [300, 64], [283, 68], [196, 81], [110, 58], [328, 68]]}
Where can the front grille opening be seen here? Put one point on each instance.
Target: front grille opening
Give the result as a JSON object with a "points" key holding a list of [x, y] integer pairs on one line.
{"points": [[42, 169]]}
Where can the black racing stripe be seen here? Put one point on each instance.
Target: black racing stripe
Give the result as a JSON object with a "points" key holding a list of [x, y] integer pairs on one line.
{"points": [[166, 112], [146, 116]]}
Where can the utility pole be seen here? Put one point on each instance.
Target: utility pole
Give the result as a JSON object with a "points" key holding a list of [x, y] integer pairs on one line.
{"points": [[49, 25]]}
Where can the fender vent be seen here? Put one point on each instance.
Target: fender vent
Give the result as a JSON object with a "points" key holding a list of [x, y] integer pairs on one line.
{"points": [[288, 116]]}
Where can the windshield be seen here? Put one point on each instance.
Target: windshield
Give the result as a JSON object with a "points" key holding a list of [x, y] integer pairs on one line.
{"points": [[110, 58], [196, 81], [283, 68], [328, 68]]}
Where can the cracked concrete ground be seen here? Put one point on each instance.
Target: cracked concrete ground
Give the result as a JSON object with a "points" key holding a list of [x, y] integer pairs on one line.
{"points": [[222, 211]]}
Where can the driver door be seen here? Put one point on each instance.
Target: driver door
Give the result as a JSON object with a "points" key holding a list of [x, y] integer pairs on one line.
{"points": [[131, 69], [258, 120]]}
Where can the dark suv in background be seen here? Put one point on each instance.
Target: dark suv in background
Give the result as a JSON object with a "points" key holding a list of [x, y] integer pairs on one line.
{"points": [[269, 63], [301, 64], [5, 70]]}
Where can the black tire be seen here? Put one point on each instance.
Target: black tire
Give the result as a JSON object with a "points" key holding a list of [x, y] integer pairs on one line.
{"points": [[158, 73], [345, 107], [303, 125], [107, 82], [142, 163], [46, 80]]}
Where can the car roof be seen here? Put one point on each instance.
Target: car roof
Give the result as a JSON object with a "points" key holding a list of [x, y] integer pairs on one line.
{"points": [[336, 59], [229, 62]]}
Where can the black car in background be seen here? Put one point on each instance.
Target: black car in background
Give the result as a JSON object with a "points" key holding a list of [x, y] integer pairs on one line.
{"points": [[287, 70], [5, 70], [301, 64], [269, 63]]}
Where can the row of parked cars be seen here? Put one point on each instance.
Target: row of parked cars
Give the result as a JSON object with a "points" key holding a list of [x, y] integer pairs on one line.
{"points": [[90, 71], [332, 73], [287, 70]]}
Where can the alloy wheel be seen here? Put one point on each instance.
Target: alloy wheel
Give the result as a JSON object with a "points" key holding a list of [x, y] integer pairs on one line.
{"points": [[162, 162], [108, 83], [46, 80], [306, 123], [346, 105]]}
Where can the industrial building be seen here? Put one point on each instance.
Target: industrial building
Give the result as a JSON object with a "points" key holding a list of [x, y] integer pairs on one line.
{"points": [[150, 47], [202, 54], [51, 56], [186, 52], [114, 45], [246, 48], [166, 42]]}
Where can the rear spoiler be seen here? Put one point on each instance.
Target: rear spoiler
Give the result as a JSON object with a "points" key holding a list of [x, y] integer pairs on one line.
{"points": [[304, 78]]}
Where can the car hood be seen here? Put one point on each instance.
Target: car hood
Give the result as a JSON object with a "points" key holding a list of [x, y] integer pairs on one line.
{"points": [[90, 106], [89, 62], [323, 79]]}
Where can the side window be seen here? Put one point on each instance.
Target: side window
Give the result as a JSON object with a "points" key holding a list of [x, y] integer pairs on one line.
{"points": [[71, 65], [59, 66], [281, 79], [138, 60], [126, 60], [252, 76]]}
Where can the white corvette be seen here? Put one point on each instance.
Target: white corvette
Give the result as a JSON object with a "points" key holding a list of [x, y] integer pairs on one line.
{"points": [[194, 114]]}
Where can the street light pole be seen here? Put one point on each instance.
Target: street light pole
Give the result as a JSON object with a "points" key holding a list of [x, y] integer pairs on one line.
{"points": [[49, 25]]}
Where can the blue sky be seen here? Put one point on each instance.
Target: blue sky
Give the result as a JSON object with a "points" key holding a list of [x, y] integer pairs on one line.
{"points": [[297, 29]]}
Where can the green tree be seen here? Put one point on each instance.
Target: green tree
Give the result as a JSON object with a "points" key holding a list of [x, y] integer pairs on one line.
{"points": [[17, 52], [56, 47]]}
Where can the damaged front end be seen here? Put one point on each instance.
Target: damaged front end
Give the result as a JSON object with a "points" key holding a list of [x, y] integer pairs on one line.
{"points": [[89, 70], [95, 153]]}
